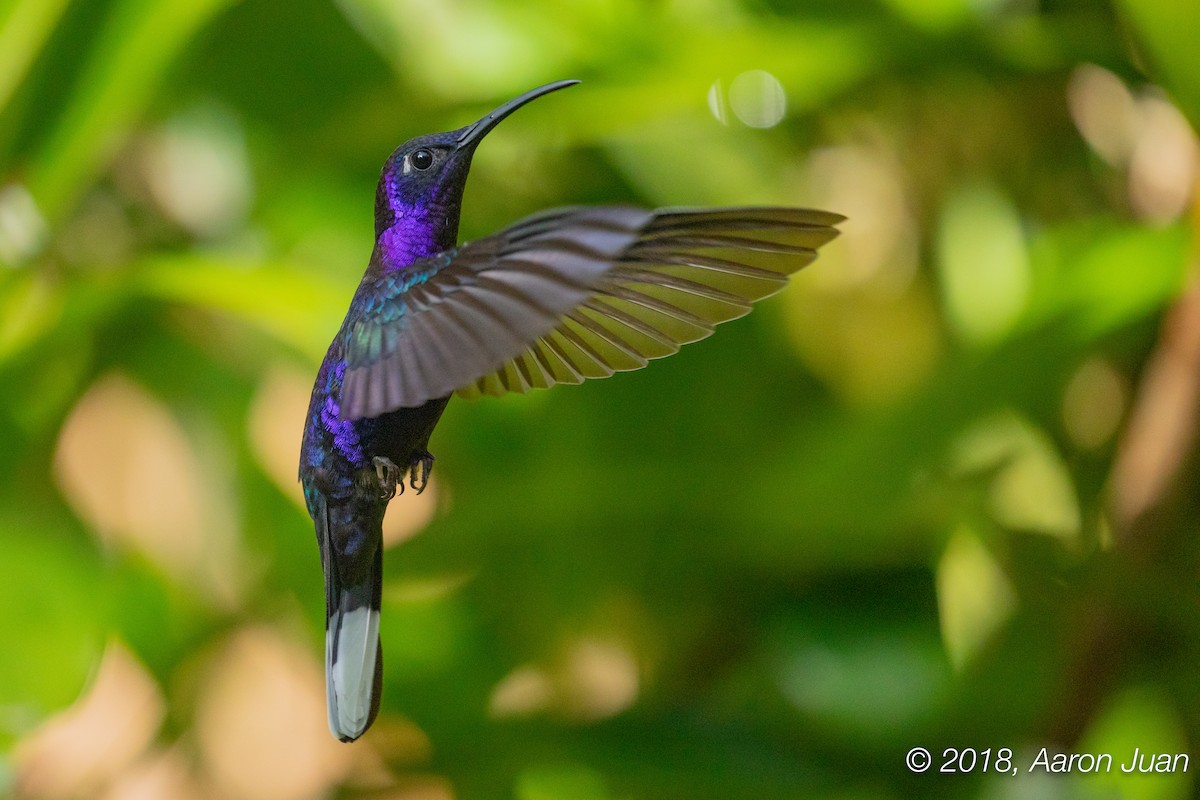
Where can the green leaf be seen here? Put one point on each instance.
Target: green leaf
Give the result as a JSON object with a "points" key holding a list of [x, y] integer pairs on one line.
{"points": [[1168, 30], [1101, 275], [25, 25], [278, 298], [55, 617], [569, 782], [130, 59]]}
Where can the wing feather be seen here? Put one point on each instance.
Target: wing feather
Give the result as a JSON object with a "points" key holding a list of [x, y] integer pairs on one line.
{"points": [[566, 295]]}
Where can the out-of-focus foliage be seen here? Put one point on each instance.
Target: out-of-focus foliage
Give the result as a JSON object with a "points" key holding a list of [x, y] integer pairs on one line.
{"points": [[940, 492]]}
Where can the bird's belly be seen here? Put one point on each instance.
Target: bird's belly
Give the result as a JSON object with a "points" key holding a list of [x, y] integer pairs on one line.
{"points": [[403, 435]]}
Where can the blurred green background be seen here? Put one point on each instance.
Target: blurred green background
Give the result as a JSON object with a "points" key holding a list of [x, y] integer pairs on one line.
{"points": [[939, 492]]}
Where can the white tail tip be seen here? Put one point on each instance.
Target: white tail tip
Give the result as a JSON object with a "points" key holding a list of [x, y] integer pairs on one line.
{"points": [[351, 647]]}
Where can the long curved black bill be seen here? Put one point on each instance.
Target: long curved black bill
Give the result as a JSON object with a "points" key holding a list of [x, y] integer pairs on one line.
{"points": [[473, 133]]}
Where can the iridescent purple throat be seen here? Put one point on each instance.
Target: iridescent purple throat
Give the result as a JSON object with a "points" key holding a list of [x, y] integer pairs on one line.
{"points": [[413, 234]]}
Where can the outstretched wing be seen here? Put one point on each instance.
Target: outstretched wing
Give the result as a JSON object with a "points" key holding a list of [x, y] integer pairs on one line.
{"points": [[565, 295]]}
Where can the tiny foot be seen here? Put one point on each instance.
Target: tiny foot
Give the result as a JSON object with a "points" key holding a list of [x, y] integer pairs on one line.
{"points": [[390, 477], [418, 471]]}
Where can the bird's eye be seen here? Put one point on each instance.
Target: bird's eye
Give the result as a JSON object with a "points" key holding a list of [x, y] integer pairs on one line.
{"points": [[421, 159]]}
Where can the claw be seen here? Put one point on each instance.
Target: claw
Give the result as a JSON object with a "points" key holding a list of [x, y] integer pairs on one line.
{"points": [[390, 477], [424, 465]]}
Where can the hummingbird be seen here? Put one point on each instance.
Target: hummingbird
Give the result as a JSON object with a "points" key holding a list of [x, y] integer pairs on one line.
{"points": [[560, 296]]}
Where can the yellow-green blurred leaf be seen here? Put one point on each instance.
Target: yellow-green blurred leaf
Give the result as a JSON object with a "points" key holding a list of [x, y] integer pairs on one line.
{"points": [[974, 596], [54, 622], [1167, 28], [301, 310], [568, 782], [1136, 728], [137, 46], [983, 263], [24, 27]]}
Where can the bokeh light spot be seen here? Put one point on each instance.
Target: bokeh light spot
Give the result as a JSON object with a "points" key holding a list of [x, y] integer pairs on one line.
{"points": [[595, 679], [275, 424], [1145, 134], [757, 99], [196, 169], [22, 227], [1093, 403], [158, 776], [76, 752], [125, 465], [983, 263], [261, 722], [601, 679], [523, 691], [716, 103], [1104, 111], [877, 248], [1162, 167], [408, 514]]}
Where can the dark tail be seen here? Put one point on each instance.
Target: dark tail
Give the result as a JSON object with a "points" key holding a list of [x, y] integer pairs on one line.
{"points": [[353, 583]]}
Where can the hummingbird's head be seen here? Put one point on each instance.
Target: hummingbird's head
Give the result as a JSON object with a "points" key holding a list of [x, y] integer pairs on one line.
{"points": [[419, 196]]}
